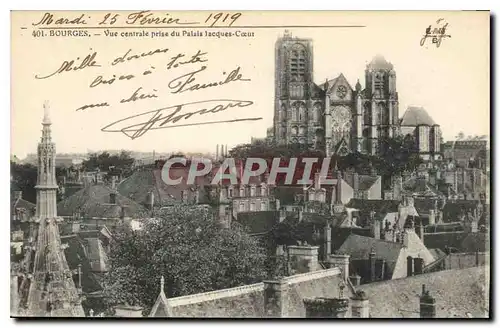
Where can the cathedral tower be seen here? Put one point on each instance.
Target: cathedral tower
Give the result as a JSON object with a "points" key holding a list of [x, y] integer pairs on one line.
{"points": [[298, 103], [380, 113]]}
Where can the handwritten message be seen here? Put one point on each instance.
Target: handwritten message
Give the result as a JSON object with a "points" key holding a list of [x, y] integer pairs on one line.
{"points": [[172, 79]]}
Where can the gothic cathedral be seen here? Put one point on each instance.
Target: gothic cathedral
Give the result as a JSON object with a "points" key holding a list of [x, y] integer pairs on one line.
{"points": [[332, 116]]}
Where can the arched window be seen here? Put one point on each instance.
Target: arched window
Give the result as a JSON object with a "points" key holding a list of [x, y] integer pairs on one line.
{"points": [[382, 113], [302, 113], [294, 130], [317, 113], [302, 130], [298, 56]]}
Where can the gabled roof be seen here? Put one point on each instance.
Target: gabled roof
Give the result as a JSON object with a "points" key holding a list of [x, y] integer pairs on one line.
{"points": [[424, 205], [94, 201], [161, 308], [415, 116]]}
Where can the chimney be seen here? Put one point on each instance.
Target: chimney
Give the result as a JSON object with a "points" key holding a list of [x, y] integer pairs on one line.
{"points": [[226, 152], [217, 152], [355, 279], [317, 181], [18, 194], [328, 241], [151, 200], [303, 258], [418, 265], [427, 304], [355, 182], [360, 306], [326, 307], [405, 237], [409, 266], [340, 261], [275, 298], [112, 197], [432, 217], [376, 225], [380, 268], [421, 230], [372, 265], [338, 190]]}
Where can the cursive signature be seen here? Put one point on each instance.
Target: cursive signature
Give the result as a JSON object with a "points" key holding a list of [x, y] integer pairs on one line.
{"points": [[68, 66], [436, 33], [137, 125]]}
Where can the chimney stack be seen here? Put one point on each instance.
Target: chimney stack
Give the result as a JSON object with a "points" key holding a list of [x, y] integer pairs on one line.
{"points": [[340, 261], [360, 306], [409, 266], [355, 183], [418, 265], [372, 265], [427, 304], [275, 298], [217, 152], [304, 258], [328, 241], [317, 181], [432, 217]]}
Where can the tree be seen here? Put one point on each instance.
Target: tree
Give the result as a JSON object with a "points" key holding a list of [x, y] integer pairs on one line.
{"points": [[120, 164], [24, 177], [186, 246]]}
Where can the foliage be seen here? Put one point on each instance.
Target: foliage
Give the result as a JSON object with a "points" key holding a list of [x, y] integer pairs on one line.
{"points": [[270, 151], [120, 164], [186, 246], [23, 176]]}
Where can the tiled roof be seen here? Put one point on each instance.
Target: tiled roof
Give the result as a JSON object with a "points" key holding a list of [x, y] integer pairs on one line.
{"points": [[442, 240], [76, 254], [94, 201], [415, 116], [476, 241], [360, 247], [258, 222], [453, 209], [142, 182], [424, 205], [458, 293]]}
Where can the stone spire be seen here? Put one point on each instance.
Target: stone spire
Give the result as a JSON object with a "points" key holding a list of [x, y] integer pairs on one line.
{"points": [[51, 289], [46, 187], [161, 308]]}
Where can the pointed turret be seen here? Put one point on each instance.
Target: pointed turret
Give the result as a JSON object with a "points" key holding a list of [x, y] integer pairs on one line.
{"points": [[161, 308], [358, 86], [51, 291]]}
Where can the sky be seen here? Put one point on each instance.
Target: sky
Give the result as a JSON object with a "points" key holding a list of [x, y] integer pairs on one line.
{"points": [[451, 81]]}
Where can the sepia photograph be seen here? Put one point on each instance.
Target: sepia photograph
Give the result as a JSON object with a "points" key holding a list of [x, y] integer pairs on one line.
{"points": [[250, 165]]}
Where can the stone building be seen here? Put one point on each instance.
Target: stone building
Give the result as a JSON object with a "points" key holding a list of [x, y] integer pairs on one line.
{"points": [[418, 124], [46, 287], [332, 116]]}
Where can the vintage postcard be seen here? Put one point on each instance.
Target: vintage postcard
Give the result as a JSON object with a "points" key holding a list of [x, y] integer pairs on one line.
{"points": [[250, 164]]}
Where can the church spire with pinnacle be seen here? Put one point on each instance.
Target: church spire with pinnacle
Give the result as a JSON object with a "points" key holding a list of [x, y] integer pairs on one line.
{"points": [[46, 181]]}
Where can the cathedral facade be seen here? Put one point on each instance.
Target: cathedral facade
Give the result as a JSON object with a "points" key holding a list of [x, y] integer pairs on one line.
{"points": [[331, 116]]}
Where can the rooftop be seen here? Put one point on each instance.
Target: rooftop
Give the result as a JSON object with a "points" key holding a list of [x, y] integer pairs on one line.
{"points": [[415, 116]]}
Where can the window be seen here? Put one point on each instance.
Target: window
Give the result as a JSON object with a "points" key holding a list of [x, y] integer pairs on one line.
{"points": [[230, 192], [263, 190], [242, 207], [252, 191], [263, 206], [298, 63], [252, 207]]}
